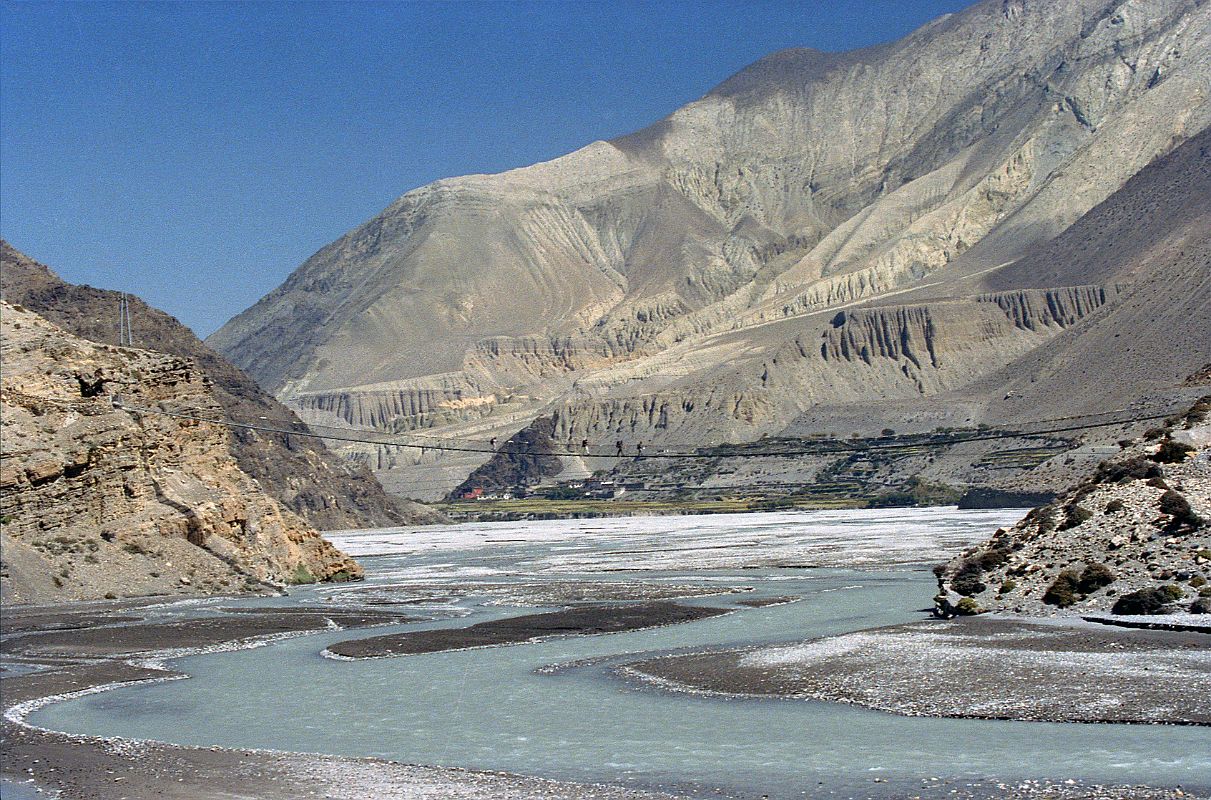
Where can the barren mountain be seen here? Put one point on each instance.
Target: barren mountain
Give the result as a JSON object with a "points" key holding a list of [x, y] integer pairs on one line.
{"points": [[326, 490], [823, 239], [101, 501]]}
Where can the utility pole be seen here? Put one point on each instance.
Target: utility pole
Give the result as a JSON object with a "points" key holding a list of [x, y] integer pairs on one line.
{"points": [[125, 337]]}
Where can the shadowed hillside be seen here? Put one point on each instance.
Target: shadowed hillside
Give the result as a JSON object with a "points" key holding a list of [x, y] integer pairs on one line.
{"points": [[300, 472]]}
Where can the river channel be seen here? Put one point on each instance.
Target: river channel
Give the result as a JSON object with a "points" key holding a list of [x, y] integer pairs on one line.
{"points": [[503, 708]]}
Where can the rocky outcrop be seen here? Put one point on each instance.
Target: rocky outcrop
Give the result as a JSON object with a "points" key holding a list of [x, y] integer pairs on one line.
{"points": [[1060, 307], [914, 187], [1133, 538], [524, 460], [984, 497], [520, 360], [328, 491], [944, 335], [100, 501], [404, 405]]}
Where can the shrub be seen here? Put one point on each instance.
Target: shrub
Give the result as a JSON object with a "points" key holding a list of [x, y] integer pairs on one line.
{"points": [[1144, 601], [1083, 491], [968, 583], [1201, 606], [991, 559], [1173, 591], [1153, 434], [1075, 516], [1205, 591], [1198, 412], [967, 607], [1007, 586], [1063, 591], [1115, 506], [1044, 516], [1172, 452], [1197, 581], [1158, 483], [966, 580], [1132, 469], [301, 575], [1094, 577], [1178, 507]]}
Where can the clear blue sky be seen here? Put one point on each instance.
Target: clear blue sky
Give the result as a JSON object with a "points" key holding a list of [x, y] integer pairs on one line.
{"points": [[196, 153]]}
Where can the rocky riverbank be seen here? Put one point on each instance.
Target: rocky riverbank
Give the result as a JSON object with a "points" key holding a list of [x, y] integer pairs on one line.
{"points": [[982, 667], [1131, 545], [1133, 538], [90, 647]]}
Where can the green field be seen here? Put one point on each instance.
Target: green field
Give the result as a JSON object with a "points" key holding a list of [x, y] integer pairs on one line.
{"points": [[538, 508]]}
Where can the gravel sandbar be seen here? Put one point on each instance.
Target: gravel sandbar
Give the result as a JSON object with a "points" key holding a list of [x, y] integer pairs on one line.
{"points": [[981, 667]]}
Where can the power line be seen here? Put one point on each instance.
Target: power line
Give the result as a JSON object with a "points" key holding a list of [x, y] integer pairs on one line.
{"points": [[693, 449], [125, 335], [823, 447]]}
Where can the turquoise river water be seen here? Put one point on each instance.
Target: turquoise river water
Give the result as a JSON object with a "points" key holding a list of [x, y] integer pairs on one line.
{"points": [[491, 709]]}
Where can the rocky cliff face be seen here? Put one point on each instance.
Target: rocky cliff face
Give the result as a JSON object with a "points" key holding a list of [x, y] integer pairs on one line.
{"points": [[524, 460], [699, 264], [99, 501], [1133, 538], [326, 490]]}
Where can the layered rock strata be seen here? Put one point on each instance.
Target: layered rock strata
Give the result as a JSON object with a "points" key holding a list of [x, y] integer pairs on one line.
{"points": [[300, 472], [99, 501]]}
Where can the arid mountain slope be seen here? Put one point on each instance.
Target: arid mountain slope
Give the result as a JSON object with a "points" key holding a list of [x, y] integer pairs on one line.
{"points": [[99, 501], [1147, 249], [1153, 240], [1131, 333], [329, 492], [662, 287]]}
